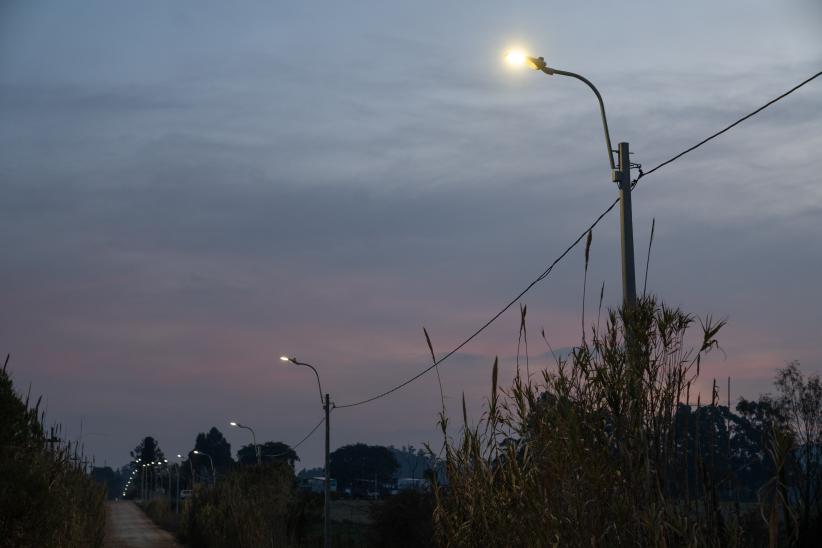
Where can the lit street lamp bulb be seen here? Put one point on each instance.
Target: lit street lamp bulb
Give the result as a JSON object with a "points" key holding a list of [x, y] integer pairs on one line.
{"points": [[179, 456], [515, 57], [196, 452], [232, 423], [518, 58], [285, 358]]}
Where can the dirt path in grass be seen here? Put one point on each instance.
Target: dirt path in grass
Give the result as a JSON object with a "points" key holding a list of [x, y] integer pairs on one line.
{"points": [[128, 527]]}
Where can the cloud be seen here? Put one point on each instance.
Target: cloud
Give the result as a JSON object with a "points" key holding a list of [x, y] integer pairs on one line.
{"points": [[177, 212]]}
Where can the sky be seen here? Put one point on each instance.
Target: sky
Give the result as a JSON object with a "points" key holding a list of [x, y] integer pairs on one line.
{"points": [[192, 189]]}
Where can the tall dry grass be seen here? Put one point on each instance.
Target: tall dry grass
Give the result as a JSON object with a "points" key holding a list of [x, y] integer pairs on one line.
{"points": [[46, 497], [589, 453]]}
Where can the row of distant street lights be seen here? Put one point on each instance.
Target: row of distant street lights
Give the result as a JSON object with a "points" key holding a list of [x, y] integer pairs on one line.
{"points": [[142, 469]]}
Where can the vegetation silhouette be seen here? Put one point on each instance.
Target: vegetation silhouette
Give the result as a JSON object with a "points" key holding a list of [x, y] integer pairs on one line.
{"points": [[46, 496]]}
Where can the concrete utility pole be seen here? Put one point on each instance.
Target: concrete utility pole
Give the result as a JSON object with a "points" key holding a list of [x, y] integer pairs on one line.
{"points": [[326, 403], [327, 503], [177, 494], [620, 175], [626, 225]]}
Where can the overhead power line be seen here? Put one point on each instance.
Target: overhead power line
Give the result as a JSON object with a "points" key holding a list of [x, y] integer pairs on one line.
{"points": [[511, 303], [720, 132], [562, 255], [299, 443]]}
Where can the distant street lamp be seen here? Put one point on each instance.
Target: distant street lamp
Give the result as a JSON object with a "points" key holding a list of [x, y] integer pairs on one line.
{"points": [[325, 401], [620, 174], [253, 438], [143, 481], [177, 491], [190, 467], [168, 471], [213, 473]]}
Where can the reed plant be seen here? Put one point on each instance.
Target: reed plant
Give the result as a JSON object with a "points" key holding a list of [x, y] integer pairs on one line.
{"points": [[46, 497], [587, 452]]}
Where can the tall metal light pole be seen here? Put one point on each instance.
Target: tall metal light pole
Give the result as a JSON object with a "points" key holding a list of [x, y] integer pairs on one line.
{"points": [[191, 468], [177, 494], [168, 471], [213, 472], [325, 401], [253, 439], [620, 174]]}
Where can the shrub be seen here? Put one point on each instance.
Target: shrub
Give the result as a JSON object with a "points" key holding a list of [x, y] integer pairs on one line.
{"points": [[161, 511], [249, 507], [404, 520]]}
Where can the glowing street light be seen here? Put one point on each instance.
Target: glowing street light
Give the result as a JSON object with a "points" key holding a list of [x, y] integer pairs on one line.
{"points": [[296, 362], [326, 403], [620, 174], [253, 438], [518, 58], [213, 473]]}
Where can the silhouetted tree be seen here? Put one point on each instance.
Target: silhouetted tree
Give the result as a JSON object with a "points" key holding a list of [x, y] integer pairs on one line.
{"points": [[412, 460], [112, 480], [800, 404], [362, 462], [217, 447], [271, 451], [148, 450]]}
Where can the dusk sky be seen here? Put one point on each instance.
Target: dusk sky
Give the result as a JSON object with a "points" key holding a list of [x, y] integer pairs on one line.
{"points": [[191, 189]]}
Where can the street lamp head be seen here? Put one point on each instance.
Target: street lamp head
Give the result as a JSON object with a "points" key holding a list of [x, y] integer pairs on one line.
{"points": [[179, 456], [196, 452], [518, 58], [515, 57], [286, 359], [232, 423]]}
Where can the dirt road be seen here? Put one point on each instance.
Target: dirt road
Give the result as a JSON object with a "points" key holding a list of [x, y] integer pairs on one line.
{"points": [[128, 527]]}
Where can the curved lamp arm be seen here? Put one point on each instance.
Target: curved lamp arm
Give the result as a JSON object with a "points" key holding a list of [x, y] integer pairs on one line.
{"points": [[539, 64], [319, 385], [210, 460], [243, 426], [253, 438]]}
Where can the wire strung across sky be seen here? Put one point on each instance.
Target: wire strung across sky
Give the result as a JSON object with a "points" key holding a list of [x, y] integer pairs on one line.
{"points": [[561, 256], [720, 132], [299, 443], [511, 303]]}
